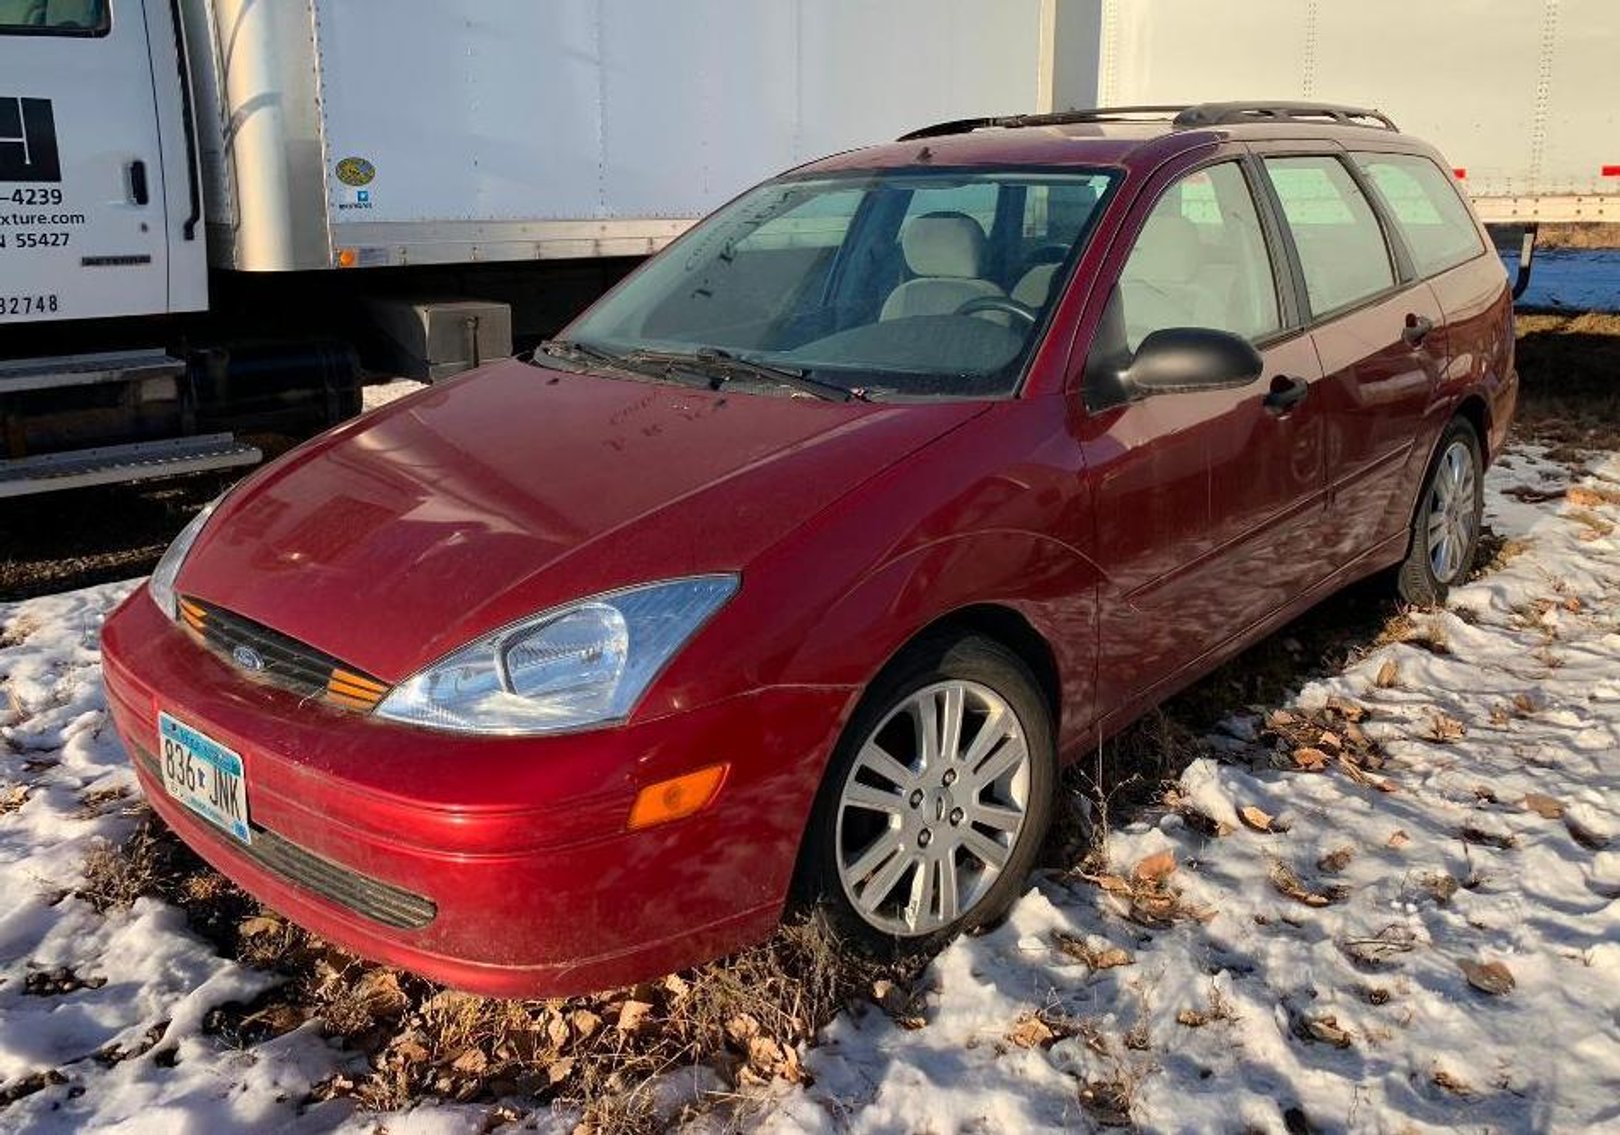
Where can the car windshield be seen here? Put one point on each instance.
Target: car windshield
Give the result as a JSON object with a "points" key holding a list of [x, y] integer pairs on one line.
{"points": [[892, 283]]}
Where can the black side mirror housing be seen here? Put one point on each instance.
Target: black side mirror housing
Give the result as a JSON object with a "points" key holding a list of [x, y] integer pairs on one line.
{"points": [[1180, 360]]}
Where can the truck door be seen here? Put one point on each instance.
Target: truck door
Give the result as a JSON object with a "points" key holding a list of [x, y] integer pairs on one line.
{"points": [[83, 225]]}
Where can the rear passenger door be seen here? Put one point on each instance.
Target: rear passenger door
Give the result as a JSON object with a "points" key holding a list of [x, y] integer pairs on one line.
{"points": [[1379, 335], [1207, 503]]}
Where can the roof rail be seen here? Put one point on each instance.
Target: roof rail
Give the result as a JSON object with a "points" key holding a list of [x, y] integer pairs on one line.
{"points": [[1231, 113], [1180, 117], [1055, 118]]}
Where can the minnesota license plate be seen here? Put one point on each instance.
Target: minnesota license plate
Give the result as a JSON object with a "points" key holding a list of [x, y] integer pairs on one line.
{"points": [[205, 776]]}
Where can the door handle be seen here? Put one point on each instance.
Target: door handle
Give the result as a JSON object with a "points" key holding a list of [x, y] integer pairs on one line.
{"points": [[1286, 392], [138, 192], [1417, 329]]}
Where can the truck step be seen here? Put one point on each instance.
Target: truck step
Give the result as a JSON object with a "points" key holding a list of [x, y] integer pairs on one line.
{"points": [[86, 370], [139, 461]]}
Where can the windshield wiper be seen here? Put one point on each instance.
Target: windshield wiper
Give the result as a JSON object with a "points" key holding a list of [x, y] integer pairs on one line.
{"points": [[721, 366]]}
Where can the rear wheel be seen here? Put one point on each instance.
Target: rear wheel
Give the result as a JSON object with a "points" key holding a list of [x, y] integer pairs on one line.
{"points": [[936, 800], [1445, 529]]}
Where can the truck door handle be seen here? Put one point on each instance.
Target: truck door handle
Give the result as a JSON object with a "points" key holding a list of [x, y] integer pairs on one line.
{"points": [[138, 192], [1417, 329], [1286, 392]]}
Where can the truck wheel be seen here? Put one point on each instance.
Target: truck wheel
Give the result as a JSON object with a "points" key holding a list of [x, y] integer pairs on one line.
{"points": [[935, 802], [1445, 525]]}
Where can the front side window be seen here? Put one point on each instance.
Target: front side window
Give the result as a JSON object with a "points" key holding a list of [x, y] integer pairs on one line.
{"points": [[897, 282], [1436, 224], [53, 17], [1341, 246], [1199, 261]]}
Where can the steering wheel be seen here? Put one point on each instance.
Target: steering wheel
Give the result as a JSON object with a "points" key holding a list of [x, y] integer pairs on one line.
{"points": [[999, 303]]}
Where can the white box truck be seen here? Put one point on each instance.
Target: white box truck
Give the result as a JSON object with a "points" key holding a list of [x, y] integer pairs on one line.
{"points": [[208, 206]]}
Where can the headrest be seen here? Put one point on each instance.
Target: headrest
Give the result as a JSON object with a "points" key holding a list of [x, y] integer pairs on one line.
{"points": [[1168, 251], [943, 244]]}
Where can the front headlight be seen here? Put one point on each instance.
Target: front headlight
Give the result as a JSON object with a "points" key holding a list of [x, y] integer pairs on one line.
{"points": [[584, 664], [161, 586]]}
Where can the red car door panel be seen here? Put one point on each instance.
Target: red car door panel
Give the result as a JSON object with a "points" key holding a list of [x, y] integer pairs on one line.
{"points": [[1378, 385]]}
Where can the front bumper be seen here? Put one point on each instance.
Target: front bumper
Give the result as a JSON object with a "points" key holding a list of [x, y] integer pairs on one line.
{"points": [[497, 865]]}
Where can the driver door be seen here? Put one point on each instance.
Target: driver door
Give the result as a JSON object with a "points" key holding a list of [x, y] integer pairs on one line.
{"points": [[1207, 505]]}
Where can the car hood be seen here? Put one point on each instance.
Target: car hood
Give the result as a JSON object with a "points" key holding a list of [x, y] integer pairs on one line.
{"points": [[419, 527]]}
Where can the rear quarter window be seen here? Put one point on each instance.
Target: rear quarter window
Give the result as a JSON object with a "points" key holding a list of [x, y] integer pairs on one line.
{"points": [[1427, 210]]}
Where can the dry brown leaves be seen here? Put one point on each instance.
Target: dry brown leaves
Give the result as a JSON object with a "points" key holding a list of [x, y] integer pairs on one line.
{"points": [[1330, 737], [1388, 674], [1591, 496], [1257, 820], [1488, 977], [1544, 806], [1096, 955], [1444, 729], [1146, 896], [1336, 860], [1288, 882], [12, 798], [903, 1004], [1322, 1028], [1378, 950]]}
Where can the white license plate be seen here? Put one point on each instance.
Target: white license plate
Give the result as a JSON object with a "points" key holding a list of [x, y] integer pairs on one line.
{"points": [[204, 775]]}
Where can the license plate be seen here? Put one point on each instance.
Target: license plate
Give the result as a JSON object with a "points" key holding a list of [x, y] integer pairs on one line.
{"points": [[205, 776]]}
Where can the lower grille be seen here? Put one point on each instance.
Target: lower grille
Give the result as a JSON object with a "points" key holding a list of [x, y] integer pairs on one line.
{"points": [[381, 902], [260, 652]]}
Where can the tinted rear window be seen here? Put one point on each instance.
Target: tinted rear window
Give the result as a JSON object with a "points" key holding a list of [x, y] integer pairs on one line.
{"points": [[1426, 208]]}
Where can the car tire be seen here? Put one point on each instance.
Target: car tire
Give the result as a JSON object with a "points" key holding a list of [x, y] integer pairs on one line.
{"points": [[1446, 522], [914, 838]]}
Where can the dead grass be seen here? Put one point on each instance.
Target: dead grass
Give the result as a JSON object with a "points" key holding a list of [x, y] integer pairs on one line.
{"points": [[1569, 381], [1580, 234], [745, 1016]]}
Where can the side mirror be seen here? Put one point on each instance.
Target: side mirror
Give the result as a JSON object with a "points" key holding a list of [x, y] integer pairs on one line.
{"points": [[1179, 360]]}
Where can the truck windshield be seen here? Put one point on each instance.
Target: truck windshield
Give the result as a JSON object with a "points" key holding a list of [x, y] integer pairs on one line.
{"points": [[891, 283], [53, 17]]}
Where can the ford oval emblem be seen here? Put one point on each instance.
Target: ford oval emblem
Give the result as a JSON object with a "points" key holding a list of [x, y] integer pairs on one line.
{"points": [[248, 658]]}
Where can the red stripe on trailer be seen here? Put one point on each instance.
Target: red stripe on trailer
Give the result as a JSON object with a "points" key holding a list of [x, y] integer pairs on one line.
{"points": [[1460, 173], [1611, 171]]}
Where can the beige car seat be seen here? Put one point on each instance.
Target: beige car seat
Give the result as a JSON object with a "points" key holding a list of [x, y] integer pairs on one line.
{"points": [[945, 252]]}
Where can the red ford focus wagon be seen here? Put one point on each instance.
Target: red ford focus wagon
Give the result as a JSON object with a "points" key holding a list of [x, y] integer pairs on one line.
{"points": [[791, 573]]}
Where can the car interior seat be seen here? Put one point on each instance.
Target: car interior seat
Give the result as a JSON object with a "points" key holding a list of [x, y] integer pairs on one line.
{"points": [[945, 254]]}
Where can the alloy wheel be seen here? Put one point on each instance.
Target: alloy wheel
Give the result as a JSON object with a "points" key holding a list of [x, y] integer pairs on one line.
{"points": [[932, 807], [1452, 514]]}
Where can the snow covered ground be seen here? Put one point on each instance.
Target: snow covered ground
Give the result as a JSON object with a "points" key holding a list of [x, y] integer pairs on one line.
{"points": [[1422, 935]]}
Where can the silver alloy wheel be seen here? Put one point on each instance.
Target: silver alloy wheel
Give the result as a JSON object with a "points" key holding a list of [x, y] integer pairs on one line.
{"points": [[932, 807], [1451, 517]]}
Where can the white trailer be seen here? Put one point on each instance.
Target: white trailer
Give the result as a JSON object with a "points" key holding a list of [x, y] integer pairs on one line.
{"points": [[1522, 96], [205, 204]]}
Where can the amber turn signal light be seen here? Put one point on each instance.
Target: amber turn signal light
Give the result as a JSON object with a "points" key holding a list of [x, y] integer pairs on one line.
{"points": [[677, 797]]}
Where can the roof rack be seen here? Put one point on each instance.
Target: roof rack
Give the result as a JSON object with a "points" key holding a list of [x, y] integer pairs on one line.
{"points": [[1181, 117]]}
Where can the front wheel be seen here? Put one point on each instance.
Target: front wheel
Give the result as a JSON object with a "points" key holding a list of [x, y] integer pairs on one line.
{"points": [[936, 800], [1445, 528]]}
